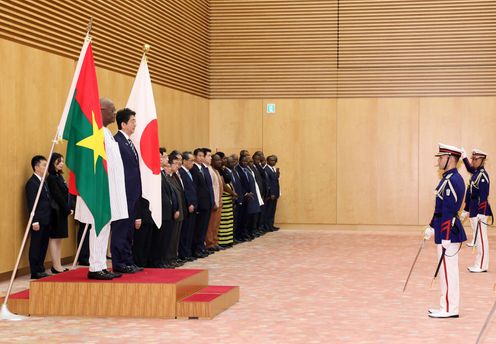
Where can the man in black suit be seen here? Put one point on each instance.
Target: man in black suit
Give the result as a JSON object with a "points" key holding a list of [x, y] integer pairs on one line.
{"points": [[237, 201], [203, 183], [274, 190], [40, 226], [123, 230], [170, 211], [175, 164], [260, 192], [191, 198]]}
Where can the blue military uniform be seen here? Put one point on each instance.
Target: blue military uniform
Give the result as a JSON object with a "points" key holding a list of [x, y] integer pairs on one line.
{"points": [[478, 208], [448, 231], [449, 199], [477, 191]]}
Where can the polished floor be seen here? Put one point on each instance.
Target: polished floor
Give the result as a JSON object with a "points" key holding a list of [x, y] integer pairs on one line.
{"points": [[303, 286]]}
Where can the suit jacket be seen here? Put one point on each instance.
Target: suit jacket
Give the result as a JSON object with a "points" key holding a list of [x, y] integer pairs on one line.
{"points": [[265, 180], [273, 179], [59, 193], [248, 184], [202, 188], [259, 180], [236, 182], [131, 173], [169, 199], [190, 193], [44, 209], [178, 189]]}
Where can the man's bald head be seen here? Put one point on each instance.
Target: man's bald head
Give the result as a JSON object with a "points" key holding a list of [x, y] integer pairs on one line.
{"points": [[108, 111]]}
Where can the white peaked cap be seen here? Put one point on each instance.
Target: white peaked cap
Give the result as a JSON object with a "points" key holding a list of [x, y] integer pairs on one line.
{"points": [[449, 150], [477, 151]]}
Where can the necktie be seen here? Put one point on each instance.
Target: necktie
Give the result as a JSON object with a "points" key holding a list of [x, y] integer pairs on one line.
{"points": [[133, 149], [45, 186]]}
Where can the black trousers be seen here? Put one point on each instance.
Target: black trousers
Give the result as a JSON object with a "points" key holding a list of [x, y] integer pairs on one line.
{"points": [[142, 244], [251, 223], [84, 255], [122, 233], [38, 248], [271, 212], [161, 243], [239, 221], [201, 228], [173, 244], [186, 236]]}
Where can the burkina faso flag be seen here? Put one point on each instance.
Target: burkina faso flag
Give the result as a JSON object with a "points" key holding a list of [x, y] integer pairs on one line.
{"points": [[82, 127]]}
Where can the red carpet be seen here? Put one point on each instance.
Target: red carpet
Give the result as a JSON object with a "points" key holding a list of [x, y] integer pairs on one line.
{"points": [[208, 293], [21, 295], [146, 276]]}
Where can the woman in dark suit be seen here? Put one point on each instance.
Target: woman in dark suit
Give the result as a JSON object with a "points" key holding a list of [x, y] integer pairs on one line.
{"points": [[59, 193]]}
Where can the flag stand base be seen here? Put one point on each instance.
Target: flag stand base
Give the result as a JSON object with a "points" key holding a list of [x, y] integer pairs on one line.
{"points": [[8, 315]]}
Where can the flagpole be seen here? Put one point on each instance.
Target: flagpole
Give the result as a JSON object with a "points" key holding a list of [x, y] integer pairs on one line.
{"points": [[80, 245], [5, 314]]}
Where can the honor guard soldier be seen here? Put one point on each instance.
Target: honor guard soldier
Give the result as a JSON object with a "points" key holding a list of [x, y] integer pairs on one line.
{"points": [[477, 208], [448, 230]]}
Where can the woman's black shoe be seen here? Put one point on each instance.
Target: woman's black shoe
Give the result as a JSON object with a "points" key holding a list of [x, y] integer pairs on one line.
{"points": [[57, 271]]}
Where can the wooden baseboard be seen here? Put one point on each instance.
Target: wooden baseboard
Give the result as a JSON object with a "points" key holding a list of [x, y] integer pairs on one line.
{"points": [[4, 276]]}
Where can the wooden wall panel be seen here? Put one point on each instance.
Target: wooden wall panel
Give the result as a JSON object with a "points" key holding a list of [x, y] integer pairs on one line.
{"points": [[178, 32], [377, 154], [273, 48], [302, 133], [467, 122], [236, 124], [416, 48], [33, 89]]}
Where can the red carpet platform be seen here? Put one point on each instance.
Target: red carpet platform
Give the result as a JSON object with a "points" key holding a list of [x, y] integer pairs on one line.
{"points": [[150, 293]]}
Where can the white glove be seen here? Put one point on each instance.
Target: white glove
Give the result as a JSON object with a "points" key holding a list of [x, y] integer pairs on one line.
{"points": [[464, 215], [464, 154], [445, 243], [428, 232]]}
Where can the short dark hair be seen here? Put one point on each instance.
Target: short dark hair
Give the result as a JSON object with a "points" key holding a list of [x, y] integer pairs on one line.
{"points": [[35, 161], [53, 160], [173, 158], [221, 154], [186, 155], [162, 150], [175, 152], [198, 150], [123, 116], [206, 150], [243, 152]]}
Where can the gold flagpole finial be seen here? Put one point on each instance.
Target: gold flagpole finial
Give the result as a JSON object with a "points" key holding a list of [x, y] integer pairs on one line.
{"points": [[146, 48], [89, 27]]}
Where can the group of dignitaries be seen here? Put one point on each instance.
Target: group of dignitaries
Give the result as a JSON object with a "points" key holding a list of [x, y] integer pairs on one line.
{"points": [[446, 225], [210, 202]]}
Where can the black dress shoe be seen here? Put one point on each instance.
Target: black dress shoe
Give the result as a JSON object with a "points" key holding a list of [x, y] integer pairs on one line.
{"points": [[38, 275], [190, 259], [112, 273], [220, 248], [99, 275], [274, 228], [124, 269], [54, 271], [137, 268]]}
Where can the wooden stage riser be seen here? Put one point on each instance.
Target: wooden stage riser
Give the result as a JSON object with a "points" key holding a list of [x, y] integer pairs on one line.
{"points": [[207, 310], [141, 300]]}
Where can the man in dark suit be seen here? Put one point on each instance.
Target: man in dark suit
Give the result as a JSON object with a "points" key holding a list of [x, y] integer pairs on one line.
{"points": [[274, 191], [163, 236], [175, 164], [191, 198], [251, 205], [237, 201], [123, 230], [203, 183], [40, 226]]}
